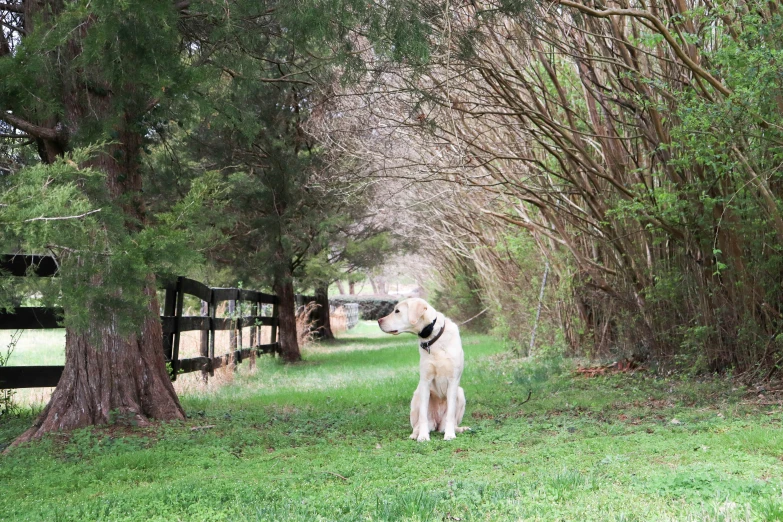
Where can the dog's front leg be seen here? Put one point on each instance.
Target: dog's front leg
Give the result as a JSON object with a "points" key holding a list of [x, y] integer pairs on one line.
{"points": [[424, 405], [451, 410]]}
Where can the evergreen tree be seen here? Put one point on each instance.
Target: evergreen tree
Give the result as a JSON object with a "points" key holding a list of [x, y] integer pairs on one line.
{"points": [[75, 74]]}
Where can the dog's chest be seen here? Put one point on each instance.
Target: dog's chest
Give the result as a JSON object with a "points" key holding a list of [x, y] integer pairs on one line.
{"points": [[439, 370]]}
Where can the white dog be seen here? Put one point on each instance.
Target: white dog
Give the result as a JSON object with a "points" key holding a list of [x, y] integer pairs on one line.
{"points": [[439, 402]]}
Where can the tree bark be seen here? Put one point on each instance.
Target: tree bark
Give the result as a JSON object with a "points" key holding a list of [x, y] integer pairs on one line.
{"points": [[324, 319], [289, 344], [110, 377]]}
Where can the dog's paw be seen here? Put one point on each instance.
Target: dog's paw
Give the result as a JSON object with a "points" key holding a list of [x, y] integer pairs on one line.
{"points": [[414, 435], [423, 438], [462, 429], [449, 436]]}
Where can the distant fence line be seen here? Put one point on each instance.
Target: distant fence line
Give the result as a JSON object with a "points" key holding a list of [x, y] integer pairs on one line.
{"points": [[173, 322]]}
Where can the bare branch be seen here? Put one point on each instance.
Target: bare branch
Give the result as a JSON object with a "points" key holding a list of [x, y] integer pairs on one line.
{"points": [[30, 128], [60, 218], [661, 28]]}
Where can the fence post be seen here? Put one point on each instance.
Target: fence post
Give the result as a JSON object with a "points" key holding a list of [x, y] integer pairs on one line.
{"points": [[275, 318], [169, 308], [204, 348], [175, 350], [240, 321], [212, 315]]}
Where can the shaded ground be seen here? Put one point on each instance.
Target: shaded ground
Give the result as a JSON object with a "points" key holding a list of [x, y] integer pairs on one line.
{"points": [[327, 439]]}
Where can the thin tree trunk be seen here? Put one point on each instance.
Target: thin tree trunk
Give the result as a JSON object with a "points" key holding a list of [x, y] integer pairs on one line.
{"points": [[289, 344], [232, 334], [324, 320]]}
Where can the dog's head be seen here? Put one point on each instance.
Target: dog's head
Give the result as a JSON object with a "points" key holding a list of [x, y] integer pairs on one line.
{"points": [[410, 315]]}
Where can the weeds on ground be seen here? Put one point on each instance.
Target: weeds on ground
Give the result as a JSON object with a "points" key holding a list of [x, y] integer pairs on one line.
{"points": [[7, 405]]}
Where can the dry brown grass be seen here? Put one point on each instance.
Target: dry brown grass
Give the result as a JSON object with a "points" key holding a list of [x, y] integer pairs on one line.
{"points": [[304, 324], [190, 342]]}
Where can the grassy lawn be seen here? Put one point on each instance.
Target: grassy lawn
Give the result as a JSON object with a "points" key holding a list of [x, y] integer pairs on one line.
{"points": [[35, 347], [328, 440]]}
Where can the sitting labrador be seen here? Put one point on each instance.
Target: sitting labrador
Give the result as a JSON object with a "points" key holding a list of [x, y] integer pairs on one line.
{"points": [[439, 402]]}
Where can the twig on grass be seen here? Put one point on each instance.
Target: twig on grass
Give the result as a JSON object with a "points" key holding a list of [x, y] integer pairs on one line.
{"points": [[475, 316], [335, 474]]}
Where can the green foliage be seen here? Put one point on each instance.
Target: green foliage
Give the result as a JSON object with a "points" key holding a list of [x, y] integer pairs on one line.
{"points": [[217, 103], [127, 52], [516, 305], [65, 209]]}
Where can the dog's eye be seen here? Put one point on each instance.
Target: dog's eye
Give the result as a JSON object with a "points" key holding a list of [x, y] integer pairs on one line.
{"points": [[396, 311]]}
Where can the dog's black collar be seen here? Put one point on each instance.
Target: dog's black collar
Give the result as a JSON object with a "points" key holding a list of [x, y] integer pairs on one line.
{"points": [[428, 330]]}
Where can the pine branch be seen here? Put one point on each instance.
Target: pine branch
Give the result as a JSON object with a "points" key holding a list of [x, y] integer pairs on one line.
{"points": [[30, 128]]}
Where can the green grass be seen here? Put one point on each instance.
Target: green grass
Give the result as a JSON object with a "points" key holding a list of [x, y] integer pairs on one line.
{"points": [[35, 347], [328, 440]]}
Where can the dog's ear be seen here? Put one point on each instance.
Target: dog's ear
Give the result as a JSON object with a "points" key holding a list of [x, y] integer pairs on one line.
{"points": [[416, 309]]}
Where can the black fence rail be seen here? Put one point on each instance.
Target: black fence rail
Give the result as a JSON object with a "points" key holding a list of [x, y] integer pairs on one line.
{"points": [[246, 309], [174, 323]]}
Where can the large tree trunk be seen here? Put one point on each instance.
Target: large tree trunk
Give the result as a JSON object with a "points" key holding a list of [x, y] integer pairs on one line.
{"points": [[324, 319], [289, 344], [109, 377]]}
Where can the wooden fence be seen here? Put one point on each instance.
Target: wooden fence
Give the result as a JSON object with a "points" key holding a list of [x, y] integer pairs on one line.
{"points": [[174, 323]]}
